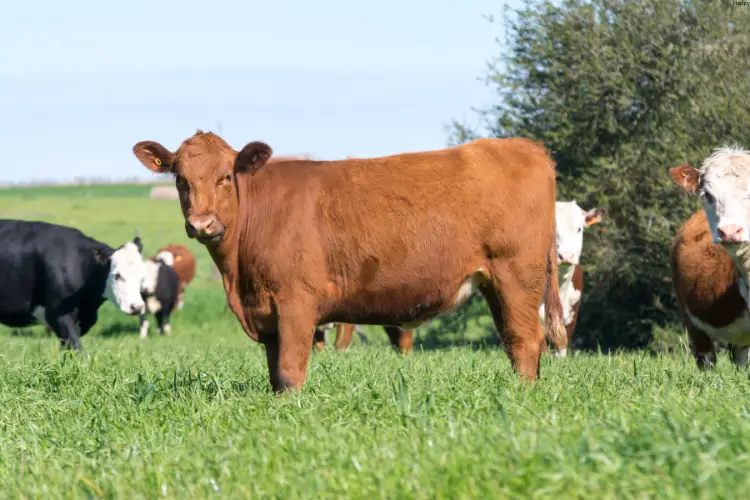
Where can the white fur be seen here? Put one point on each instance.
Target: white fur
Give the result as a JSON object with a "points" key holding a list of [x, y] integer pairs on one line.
{"points": [[144, 328], [569, 295], [166, 257], [150, 276], [725, 177], [153, 306], [126, 272], [737, 332]]}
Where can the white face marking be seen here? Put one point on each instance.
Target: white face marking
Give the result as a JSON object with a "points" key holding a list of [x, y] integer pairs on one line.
{"points": [[561, 353], [166, 257], [126, 272], [725, 194], [38, 314], [570, 222]]}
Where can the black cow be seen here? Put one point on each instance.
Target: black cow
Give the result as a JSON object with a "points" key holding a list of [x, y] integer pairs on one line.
{"points": [[160, 290], [57, 276]]}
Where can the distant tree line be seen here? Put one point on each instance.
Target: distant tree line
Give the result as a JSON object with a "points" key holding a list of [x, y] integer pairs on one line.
{"points": [[620, 91]]}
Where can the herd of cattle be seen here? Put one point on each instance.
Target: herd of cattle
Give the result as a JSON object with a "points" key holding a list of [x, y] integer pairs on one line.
{"points": [[303, 246]]}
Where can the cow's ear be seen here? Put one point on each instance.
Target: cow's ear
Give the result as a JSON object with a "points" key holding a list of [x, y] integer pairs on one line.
{"points": [[154, 156], [594, 216], [102, 254], [252, 157], [685, 176], [138, 243]]}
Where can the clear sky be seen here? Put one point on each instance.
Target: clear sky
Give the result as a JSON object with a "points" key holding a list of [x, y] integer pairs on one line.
{"points": [[82, 81]]}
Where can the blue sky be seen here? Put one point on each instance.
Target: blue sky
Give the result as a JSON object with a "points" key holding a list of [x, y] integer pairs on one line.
{"points": [[82, 81]]}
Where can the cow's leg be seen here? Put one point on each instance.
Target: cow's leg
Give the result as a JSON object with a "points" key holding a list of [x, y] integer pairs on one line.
{"points": [[181, 299], [400, 339], [701, 346], [513, 296], [162, 320], [344, 332], [319, 338], [740, 355], [66, 329], [288, 352], [144, 326]]}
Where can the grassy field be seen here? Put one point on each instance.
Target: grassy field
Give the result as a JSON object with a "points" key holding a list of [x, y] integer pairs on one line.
{"points": [[192, 415]]}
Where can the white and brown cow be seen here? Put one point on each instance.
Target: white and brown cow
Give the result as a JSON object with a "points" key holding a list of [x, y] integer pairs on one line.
{"points": [[710, 256], [570, 222]]}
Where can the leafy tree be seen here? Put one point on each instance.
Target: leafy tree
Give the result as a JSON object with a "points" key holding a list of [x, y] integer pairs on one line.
{"points": [[620, 91]]}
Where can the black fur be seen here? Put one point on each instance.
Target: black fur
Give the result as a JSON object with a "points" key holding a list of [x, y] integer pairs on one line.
{"points": [[165, 292], [55, 267]]}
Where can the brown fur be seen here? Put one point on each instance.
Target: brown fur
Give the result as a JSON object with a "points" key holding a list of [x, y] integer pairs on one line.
{"points": [[384, 241], [706, 282], [184, 266]]}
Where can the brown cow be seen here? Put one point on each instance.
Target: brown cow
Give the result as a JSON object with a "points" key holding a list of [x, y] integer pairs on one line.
{"points": [[182, 260], [709, 257], [394, 240]]}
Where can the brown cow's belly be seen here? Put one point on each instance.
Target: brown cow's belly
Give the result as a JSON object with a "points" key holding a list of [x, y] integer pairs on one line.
{"points": [[405, 306]]}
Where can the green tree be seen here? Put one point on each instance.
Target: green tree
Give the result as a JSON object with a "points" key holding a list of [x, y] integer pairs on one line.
{"points": [[619, 91]]}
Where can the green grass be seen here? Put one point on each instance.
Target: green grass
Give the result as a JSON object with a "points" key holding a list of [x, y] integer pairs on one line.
{"points": [[192, 415]]}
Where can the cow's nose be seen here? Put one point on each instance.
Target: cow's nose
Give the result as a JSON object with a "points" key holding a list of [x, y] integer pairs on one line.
{"points": [[565, 257], [731, 233], [134, 309], [199, 226]]}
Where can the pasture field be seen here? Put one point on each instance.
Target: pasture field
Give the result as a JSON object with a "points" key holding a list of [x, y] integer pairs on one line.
{"points": [[192, 415]]}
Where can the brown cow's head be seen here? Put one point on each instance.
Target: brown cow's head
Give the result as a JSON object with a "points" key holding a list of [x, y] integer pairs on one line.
{"points": [[205, 168]]}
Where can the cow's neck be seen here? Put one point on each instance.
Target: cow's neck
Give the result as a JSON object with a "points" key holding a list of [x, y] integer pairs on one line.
{"points": [[741, 258], [225, 257], [569, 296]]}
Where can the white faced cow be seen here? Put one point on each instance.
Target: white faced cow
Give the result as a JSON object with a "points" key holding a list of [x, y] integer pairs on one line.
{"points": [[57, 276], [570, 221], [710, 256]]}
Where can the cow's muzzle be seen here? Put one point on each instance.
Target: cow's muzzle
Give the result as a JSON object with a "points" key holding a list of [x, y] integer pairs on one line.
{"points": [[205, 228]]}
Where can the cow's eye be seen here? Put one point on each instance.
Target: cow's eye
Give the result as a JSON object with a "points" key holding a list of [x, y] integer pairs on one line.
{"points": [[580, 229], [117, 276], [224, 180]]}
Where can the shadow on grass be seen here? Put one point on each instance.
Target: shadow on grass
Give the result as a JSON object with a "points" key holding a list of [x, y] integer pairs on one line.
{"points": [[119, 329]]}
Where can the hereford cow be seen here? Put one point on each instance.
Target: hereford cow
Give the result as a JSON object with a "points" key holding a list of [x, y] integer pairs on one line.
{"points": [[160, 290], [710, 256], [182, 260], [570, 223], [57, 276], [394, 241]]}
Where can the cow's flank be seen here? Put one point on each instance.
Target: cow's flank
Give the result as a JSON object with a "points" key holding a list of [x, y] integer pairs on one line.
{"points": [[389, 241], [710, 256]]}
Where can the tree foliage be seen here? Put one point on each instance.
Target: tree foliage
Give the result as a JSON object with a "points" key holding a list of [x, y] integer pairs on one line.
{"points": [[620, 91]]}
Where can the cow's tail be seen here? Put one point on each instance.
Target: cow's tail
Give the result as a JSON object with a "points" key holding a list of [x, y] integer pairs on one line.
{"points": [[554, 326]]}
